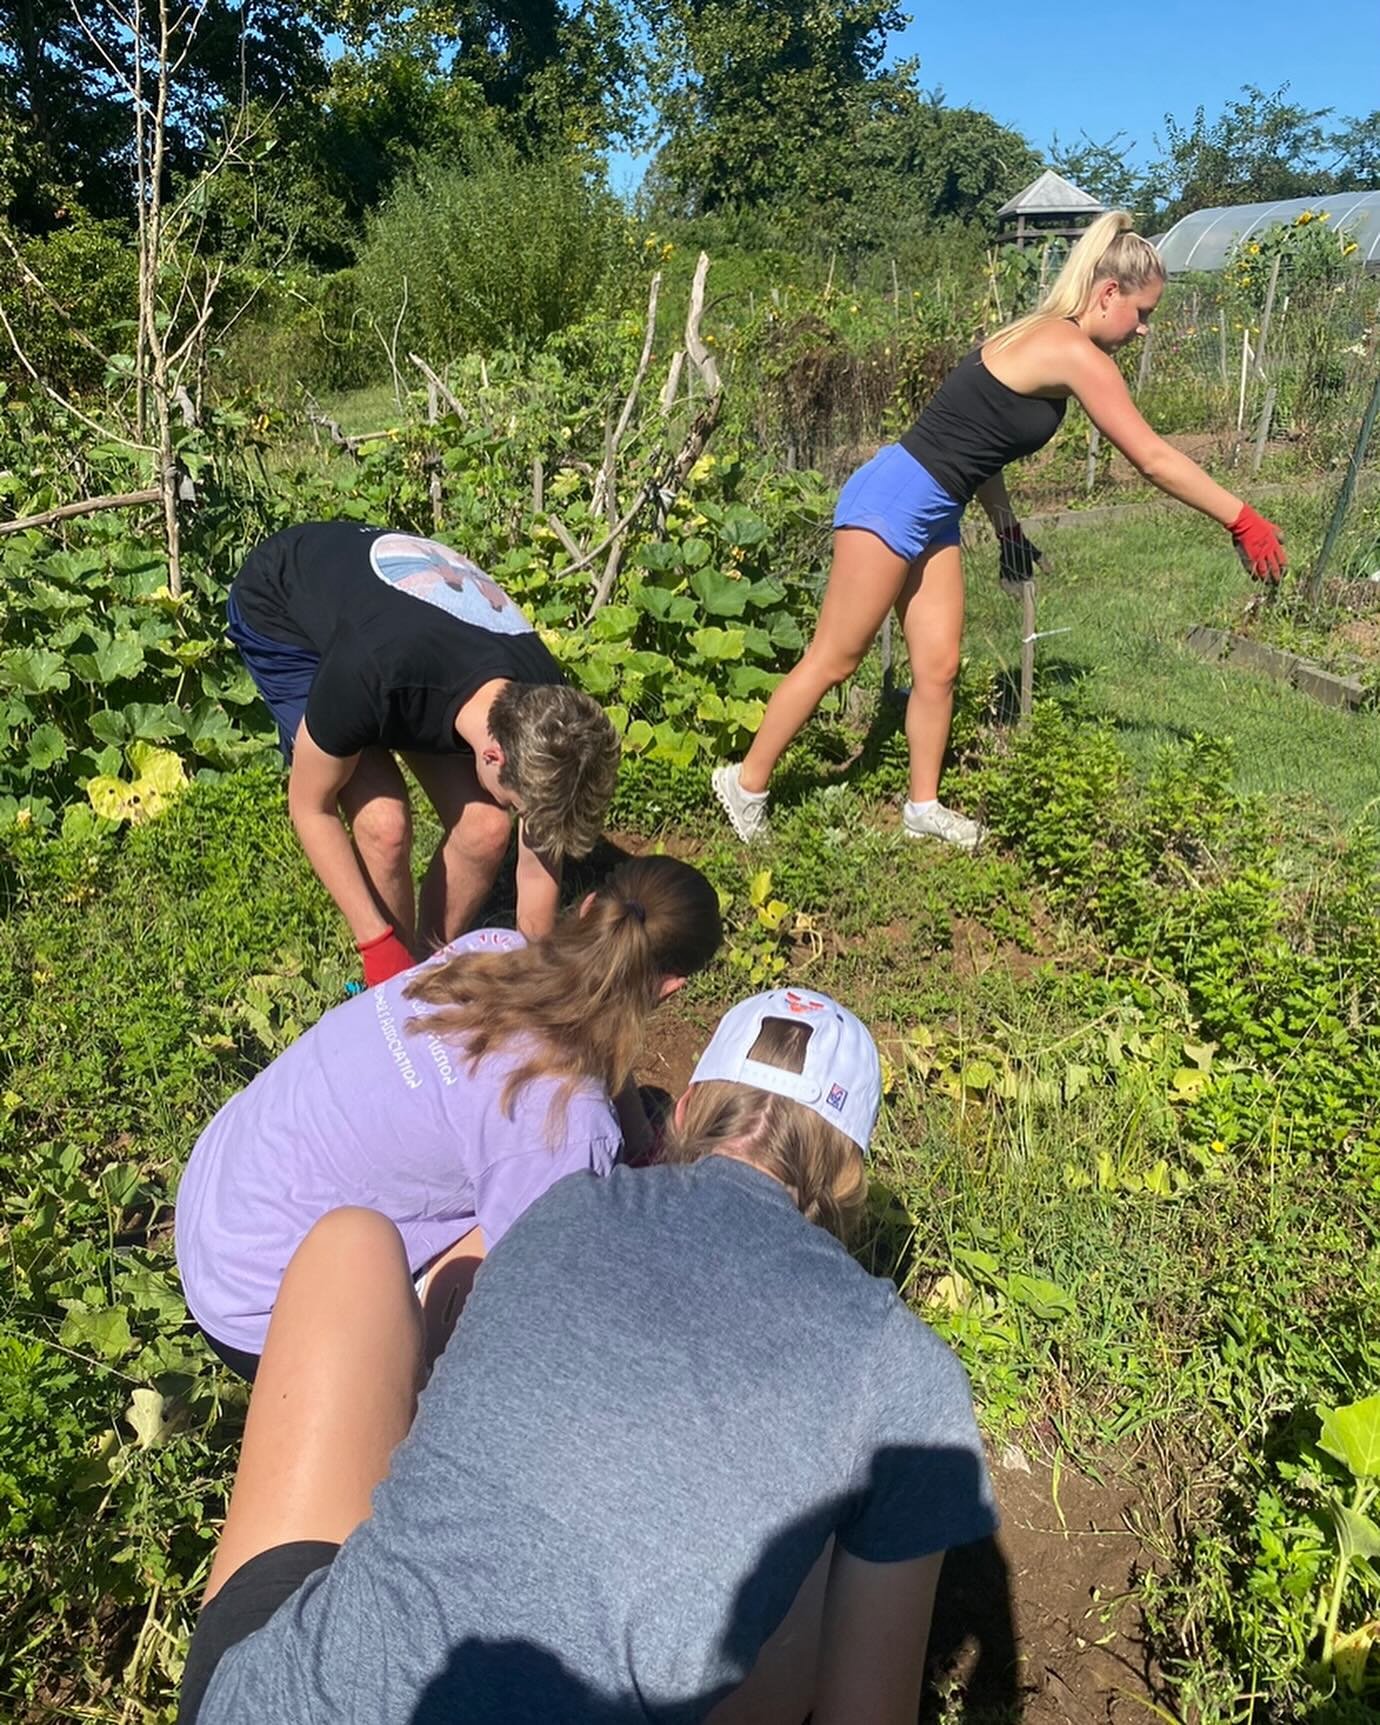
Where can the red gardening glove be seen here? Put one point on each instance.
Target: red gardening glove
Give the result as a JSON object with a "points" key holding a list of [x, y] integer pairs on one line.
{"points": [[384, 956], [1259, 545]]}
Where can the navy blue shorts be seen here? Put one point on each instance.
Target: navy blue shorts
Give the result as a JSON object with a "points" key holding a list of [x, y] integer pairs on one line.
{"points": [[901, 502], [282, 673]]}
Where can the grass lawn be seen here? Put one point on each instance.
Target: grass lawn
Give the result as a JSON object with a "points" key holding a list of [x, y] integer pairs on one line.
{"points": [[1128, 594]]}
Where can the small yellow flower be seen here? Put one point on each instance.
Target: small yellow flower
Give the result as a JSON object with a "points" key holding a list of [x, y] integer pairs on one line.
{"points": [[1218, 1145], [1325, 215]]}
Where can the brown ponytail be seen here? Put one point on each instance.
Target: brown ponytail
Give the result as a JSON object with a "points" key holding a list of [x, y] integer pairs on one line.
{"points": [[580, 997]]}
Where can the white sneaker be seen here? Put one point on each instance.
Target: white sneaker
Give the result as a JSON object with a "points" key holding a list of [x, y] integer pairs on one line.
{"points": [[941, 823], [747, 814]]}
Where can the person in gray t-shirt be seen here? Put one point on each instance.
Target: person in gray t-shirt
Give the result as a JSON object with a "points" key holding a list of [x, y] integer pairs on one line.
{"points": [[683, 1458]]}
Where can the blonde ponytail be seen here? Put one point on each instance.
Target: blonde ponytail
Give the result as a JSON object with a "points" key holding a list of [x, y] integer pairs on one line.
{"points": [[1110, 250]]}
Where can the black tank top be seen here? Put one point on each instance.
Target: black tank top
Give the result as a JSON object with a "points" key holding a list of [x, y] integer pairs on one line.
{"points": [[974, 424]]}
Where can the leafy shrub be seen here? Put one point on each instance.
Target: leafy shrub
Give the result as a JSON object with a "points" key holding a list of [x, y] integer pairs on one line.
{"points": [[498, 258], [90, 274]]}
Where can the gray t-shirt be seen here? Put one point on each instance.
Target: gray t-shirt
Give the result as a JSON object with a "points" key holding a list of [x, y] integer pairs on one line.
{"points": [[667, 1391]]}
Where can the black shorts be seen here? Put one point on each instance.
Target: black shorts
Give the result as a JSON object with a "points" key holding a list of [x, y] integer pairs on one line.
{"points": [[246, 1602], [238, 1360]]}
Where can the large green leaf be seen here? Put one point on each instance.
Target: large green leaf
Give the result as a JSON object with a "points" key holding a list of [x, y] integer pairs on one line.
{"points": [[1357, 1534], [35, 670], [719, 594], [658, 557], [155, 721], [785, 633], [615, 623], [1352, 1435], [742, 527], [47, 746], [106, 1331], [121, 657], [109, 726], [716, 644]]}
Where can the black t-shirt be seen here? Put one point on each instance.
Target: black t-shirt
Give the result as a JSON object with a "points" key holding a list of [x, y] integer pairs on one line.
{"points": [[406, 631], [974, 424]]}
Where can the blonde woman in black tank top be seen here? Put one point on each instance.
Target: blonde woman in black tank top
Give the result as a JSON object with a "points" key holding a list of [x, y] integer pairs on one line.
{"points": [[896, 539]]}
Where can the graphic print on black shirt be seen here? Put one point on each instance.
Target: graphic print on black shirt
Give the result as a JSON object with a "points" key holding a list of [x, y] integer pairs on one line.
{"points": [[406, 630]]}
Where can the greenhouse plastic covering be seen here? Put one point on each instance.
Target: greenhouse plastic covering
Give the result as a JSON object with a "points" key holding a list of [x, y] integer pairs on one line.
{"points": [[1205, 239]]}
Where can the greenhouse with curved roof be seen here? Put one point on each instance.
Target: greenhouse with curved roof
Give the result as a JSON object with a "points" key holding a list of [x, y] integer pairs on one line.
{"points": [[1206, 239]]}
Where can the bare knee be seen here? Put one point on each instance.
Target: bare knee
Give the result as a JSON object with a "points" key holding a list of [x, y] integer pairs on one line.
{"points": [[829, 665], [352, 1233], [935, 672], [383, 830], [481, 835]]}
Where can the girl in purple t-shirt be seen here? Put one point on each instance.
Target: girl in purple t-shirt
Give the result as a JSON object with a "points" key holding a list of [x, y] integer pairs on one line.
{"points": [[447, 1099]]}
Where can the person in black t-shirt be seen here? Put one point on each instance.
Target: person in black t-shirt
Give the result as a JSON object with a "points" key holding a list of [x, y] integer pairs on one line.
{"points": [[364, 642]]}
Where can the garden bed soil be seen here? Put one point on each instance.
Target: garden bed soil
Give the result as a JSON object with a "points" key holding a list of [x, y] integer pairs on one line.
{"points": [[1039, 1625]]}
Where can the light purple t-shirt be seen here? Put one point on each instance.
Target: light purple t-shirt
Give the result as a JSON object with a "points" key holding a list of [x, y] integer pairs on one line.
{"points": [[361, 1110]]}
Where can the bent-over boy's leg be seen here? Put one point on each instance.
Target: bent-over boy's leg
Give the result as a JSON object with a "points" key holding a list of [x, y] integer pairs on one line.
{"points": [[375, 805], [475, 837], [335, 1394]]}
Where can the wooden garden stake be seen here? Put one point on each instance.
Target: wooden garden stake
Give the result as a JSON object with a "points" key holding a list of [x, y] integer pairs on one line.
{"points": [[1268, 312], [1262, 430], [433, 455], [1027, 648], [1094, 444], [1143, 370]]}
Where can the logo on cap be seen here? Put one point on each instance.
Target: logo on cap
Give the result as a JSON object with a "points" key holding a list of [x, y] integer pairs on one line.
{"points": [[802, 1003], [837, 1096]]}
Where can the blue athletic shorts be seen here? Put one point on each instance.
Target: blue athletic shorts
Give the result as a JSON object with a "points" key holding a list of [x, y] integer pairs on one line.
{"points": [[900, 501], [282, 673]]}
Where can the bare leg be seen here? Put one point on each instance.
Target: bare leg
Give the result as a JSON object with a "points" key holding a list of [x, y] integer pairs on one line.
{"points": [[335, 1394], [930, 611], [375, 805], [476, 831], [864, 581]]}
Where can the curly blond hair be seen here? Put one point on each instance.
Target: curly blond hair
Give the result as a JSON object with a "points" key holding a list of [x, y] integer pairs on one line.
{"points": [[560, 755]]}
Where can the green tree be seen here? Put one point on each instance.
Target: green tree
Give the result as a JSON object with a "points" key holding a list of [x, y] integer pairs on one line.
{"points": [[65, 76], [1357, 147], [1260, 147], [565, 76], [1105, 170], [758, 102]]}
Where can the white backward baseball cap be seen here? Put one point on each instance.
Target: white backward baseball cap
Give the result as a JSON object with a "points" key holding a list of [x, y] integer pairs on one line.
{"points": [[842, 1077]]}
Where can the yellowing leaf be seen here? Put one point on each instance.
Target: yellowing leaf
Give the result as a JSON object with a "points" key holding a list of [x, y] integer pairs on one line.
{"points": [[145, 1416], [160, 769], [1351, 1654]]}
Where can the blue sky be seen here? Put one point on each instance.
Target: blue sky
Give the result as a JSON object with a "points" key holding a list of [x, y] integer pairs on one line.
{"points": [[1044, 69]]}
